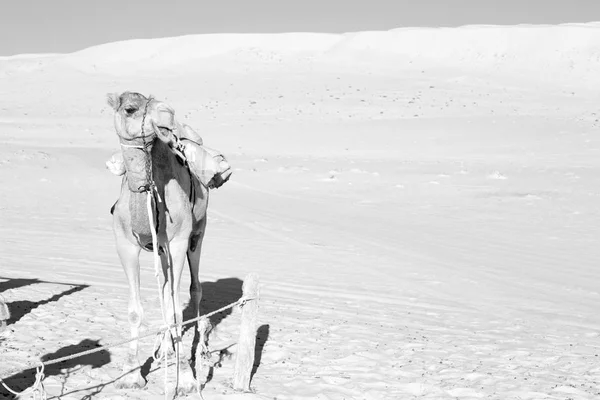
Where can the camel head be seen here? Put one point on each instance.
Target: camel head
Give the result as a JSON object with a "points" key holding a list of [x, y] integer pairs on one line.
{"points": [[139, 120], [134, 109]]}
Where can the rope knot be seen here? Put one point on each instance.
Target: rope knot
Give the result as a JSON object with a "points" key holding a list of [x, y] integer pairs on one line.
{"points": [[243, 300], [38, 386]]}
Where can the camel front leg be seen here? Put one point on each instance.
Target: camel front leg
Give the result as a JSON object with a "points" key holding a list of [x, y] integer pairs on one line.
{"points": [[173, 265], [129, 255], [202, 355], [193, 256]]}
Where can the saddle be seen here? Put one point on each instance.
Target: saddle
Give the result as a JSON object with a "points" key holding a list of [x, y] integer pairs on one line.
{"points": [[208, 165]]}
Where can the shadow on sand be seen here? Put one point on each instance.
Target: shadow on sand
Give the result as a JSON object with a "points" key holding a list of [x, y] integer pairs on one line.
{"points": [[25, 379], [13, 283], [214, 296], [219, 294], [18, 309], [262, 335]]}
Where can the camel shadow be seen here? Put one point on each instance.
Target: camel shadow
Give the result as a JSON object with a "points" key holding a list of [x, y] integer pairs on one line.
{"points": [[214, 296], [18, 309], [13, 283], [25, 379]]}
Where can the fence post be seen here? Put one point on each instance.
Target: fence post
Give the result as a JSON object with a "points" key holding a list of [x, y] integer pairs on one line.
{"points": [[4, 314], [244, 360]]}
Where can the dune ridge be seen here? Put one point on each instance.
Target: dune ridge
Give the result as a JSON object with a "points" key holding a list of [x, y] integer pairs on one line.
{"points": [[540, 50]]}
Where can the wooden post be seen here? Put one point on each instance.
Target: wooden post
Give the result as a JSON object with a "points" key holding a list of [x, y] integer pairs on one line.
{"points": [[4, 314], [244, 360]]}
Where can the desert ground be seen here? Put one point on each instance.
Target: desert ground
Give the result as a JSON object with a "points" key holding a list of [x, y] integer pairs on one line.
{"points": [[421, 206]]}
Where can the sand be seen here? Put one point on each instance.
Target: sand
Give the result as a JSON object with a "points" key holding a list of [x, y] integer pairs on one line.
{"points": [[420, 205]]}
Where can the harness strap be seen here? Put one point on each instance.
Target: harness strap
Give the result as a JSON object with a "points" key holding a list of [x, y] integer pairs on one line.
{"points": [[135, 146]]}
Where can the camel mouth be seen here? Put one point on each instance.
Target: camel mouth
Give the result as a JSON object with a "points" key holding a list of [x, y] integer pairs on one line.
{"points": [[166, 134], [165, 130]]}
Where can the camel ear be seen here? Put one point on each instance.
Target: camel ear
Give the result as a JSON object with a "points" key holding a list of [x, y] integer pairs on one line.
{"points": [[113, 100]]}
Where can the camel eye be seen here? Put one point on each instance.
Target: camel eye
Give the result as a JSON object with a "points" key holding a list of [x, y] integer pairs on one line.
{"points": [[130, 110]]}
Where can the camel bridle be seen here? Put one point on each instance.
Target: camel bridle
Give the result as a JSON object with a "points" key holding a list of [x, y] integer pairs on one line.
{"points": [[145, 147]]}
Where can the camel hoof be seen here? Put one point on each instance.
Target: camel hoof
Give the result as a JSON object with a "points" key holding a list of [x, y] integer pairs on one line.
{"points": [[183, 389], [133, 380], [158, 355], [187, 384]]}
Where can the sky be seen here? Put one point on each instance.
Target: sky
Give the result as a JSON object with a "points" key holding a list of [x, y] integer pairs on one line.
{"points": [[64, 26]]}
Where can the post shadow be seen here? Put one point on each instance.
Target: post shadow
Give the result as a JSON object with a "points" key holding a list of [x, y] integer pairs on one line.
{"points": [[262, 335], [22, 380]]}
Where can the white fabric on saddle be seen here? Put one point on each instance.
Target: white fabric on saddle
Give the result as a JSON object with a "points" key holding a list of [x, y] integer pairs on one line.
{"points": [[186, 132], [116, 165], [204, 162], [165, 118]]}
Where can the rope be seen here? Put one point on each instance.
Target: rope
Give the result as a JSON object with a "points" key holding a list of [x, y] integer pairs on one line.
{"points": [[151, 189], [163, 351], [149, 177], [37, 388], [241, 301]]}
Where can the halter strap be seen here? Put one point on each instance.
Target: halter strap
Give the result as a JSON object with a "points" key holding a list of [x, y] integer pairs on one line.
{"points": [[135, 146]]}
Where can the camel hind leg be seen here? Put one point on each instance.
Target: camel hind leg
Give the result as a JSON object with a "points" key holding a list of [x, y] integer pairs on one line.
{"points": [[129, 256]]}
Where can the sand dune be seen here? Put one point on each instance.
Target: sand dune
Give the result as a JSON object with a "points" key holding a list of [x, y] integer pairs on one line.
{"points": [[421, 206], [543, 51]]}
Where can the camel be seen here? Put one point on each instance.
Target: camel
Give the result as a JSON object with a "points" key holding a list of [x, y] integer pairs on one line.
{"points": [[180, 204]]}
